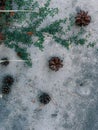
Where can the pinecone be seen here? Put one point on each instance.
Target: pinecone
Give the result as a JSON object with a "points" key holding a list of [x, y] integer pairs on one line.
{"points": [[55, 63], [5, 89], [8, 80], [82, 18], [5, 61], [44, 98]]}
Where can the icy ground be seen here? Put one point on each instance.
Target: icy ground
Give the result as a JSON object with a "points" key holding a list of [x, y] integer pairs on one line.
{"points": [[74, 88]]}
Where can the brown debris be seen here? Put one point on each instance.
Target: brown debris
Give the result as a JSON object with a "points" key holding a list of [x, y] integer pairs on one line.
{"points": [[29, 33], [1, 36]]}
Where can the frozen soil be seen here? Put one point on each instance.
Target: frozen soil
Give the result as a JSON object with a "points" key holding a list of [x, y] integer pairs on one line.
{"points": [[73, 89]]}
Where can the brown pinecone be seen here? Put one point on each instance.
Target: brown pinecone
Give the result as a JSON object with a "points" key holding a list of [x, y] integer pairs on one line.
{"points": [[5, 89], [55, 63], [8, 80], [5, 61], [82, 18], [44, 98]]}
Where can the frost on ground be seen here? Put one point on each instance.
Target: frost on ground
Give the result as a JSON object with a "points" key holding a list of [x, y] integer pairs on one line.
{"points": [[73, 89]]}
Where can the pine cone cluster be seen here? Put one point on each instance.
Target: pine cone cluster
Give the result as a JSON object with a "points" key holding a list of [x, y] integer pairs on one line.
{"points": [[55, 63], [82, 18], [44, 98]]}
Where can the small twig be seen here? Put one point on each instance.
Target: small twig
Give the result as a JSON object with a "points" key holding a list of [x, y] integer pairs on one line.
{"points": [[16, 11], [1, 61]]}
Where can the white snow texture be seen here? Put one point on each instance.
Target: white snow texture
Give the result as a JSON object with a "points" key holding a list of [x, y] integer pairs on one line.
{"points": [[73, 89]]}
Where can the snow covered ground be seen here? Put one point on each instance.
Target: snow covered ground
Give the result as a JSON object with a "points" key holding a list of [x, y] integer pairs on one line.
{"points": [[73, 89]]}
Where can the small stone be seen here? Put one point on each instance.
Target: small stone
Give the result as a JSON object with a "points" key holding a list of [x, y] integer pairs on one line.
{"points": [[44, 98], [55, 63]]}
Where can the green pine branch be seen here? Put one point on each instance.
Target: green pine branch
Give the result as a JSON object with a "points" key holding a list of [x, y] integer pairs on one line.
{"points": [[24, 55], [54, 28], [25, 35]]}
